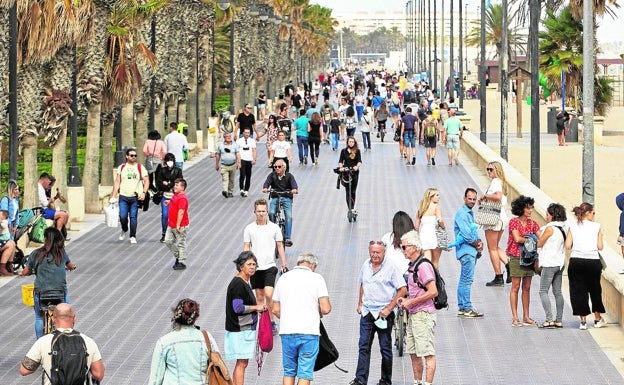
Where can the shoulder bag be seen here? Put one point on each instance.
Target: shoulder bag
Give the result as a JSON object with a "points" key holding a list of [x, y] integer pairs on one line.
{"points": [[488, 213], [442, 237], [217, 373], [152, 161]]}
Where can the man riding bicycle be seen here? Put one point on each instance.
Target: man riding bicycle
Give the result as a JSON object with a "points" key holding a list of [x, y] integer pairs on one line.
{"points": [[283, 186]]}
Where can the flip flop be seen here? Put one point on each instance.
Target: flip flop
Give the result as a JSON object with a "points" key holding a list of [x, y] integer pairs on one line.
{"points": [[529, 322], [547, 325], [558, 325], [516, 323]]}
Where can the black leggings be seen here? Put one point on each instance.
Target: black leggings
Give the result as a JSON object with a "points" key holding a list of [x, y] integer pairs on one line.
{"points": [[314, 144], [350, 198], [244, 180]]}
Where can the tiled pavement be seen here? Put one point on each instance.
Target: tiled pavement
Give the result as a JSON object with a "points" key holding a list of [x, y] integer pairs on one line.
{"points": [[124, 293]]}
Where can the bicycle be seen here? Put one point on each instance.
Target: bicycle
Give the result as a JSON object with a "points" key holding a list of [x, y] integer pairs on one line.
{"points": [[47, 303], [280, 215]]}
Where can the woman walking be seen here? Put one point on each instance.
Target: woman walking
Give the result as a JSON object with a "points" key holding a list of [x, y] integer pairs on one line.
{"points": [[551, 263], [496, 191], [165, 179], [314, 136], [519, 228], [272, 130], [429, 216], [584, 239]]}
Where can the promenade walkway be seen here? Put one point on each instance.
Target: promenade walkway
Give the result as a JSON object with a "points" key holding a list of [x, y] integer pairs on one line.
{"points": [[124, 293]]}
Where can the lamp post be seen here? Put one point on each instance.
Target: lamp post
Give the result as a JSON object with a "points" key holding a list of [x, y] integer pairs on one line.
{"points": [[74, 170], [461, 57], [152, 106]]}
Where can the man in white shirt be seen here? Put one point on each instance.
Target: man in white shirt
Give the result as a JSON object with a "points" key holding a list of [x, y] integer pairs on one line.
{"points": [[60, 217], [247, 150], [176, 144]]}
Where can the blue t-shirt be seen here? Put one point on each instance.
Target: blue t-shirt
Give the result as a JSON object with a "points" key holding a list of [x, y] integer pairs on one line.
{"points": [[12, 206], [301, 125], [410, 122]]}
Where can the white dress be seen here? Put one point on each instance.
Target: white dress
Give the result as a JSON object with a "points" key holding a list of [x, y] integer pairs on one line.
{"points": [[427, 233]]}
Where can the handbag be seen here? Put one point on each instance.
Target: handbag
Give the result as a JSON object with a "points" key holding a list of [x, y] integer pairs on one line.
{"points": [[152, 161], [442, 237], [328, 353], [397, 135], [603, 263], [157, 197], [217, 372], [488, 213]]}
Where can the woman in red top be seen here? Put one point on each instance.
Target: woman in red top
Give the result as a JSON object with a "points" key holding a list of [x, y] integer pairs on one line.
{"points": [[522, 225]]}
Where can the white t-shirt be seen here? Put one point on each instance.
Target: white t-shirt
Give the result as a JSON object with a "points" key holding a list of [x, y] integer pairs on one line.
{"points": [[298, 293], [553, 252], [43, 199], [176, 144], [40, 352], [245, 148], [262, 239], [365, 123], [280, 148], [497, 186], [584, 238], [395, 255]]}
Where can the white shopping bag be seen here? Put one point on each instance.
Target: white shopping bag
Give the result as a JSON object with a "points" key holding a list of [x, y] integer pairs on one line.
{"points": [[111, 215]]}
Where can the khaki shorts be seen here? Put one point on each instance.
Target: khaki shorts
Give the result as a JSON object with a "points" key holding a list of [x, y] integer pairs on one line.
{"points": [[420, 335]]}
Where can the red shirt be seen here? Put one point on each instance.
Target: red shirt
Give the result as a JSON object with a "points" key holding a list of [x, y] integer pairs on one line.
{"points": [[178, 202], [529, 227]]}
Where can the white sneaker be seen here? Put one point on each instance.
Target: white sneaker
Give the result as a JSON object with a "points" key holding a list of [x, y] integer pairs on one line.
{"points": [[122, 236], [600, 323], [133, 240], [583, 326]]}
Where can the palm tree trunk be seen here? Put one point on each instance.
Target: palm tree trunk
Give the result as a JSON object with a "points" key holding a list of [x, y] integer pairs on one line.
{"points": [[29, 152], [90, 176], [59, 162], [141, 134], [127, 125], [159, 119]]}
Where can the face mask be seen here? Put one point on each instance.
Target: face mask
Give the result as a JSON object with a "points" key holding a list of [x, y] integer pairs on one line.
{"points": [[381, 323], [169, 164]]}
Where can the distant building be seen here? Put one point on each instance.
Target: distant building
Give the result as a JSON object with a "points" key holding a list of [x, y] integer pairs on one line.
{"points": [[364, 22]]}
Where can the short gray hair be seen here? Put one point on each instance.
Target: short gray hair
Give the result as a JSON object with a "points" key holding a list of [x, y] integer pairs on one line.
{"points": [[307, 257], [413, 239]]}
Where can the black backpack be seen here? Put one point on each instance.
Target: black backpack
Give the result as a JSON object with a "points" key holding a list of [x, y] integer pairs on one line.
{"points": [[69, 359], [441, 301]]}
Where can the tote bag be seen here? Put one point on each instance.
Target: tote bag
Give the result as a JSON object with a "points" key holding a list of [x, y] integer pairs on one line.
{"points": [[488, 213]]}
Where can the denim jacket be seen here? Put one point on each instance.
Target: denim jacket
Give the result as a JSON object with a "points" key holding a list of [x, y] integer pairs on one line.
{"points": [[180, 358]]}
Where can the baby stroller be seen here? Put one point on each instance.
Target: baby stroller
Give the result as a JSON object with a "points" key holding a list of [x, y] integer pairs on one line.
{"points": [[33, 223]]}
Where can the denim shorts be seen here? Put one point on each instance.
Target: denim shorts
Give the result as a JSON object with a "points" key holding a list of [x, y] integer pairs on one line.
{"points": [[452, 141], [409, 139], [240, 345], [299, 353]]}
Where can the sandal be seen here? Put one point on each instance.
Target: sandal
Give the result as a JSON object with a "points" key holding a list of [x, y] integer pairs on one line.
{"points": [[547, 325], [558, 325], [529, 322], [516, 323]]}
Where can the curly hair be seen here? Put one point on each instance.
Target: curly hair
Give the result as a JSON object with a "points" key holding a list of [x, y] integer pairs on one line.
{"points": [[519, 204], [185, 313], [557, 212]]}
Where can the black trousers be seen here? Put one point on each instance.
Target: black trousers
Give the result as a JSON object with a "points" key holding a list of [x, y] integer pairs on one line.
{"points": [[350, 195], [314, 144], [584, 280], [244, 180]]}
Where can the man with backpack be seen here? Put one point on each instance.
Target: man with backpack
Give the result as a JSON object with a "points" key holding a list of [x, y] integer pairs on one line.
{"points": [[428, 135], [423, 289], [467, 253], [66, 356], [381, 285]]}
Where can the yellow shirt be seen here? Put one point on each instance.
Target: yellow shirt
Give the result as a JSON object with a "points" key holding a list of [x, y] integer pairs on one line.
{"points": [[131, 179]]}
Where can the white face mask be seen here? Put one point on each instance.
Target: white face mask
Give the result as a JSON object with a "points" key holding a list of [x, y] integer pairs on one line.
{"points": [[169, 164]]}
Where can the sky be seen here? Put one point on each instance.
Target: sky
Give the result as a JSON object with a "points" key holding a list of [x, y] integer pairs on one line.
{"points": [[609, 30]]}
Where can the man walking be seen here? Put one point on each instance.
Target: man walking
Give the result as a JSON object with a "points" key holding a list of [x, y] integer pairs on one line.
{"points": [[178, 222], [40, 354], [247, 150], [131, 183], [299, 301], [381, 286], [228, 160], [408, 133], [452, 128], [263, 238], [284, 187], [421, 322], [246, 120], [176, 144], [466, 253]]}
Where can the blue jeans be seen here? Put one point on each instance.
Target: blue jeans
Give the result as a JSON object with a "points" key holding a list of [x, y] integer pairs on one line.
{"points": [[551, 276], [334, 139], [299, 352], [466, 277], [287, 205], [367, 334], [128, 205], [302, 146], [39, 315], [360, 112], [366, 143], [164, 215]]}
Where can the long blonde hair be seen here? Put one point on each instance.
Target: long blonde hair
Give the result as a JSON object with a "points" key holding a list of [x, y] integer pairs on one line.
{"points": [[426, 201], [500, 174]]}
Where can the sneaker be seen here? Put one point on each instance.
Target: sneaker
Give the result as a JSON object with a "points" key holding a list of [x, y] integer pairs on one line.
{"points": [[230, 195], [383, 382], [288, 242], [316, 162], [179, 266], [242, 193], [122, 236], [472, 314], [583, 326], [356, 382], [305, 160], [133, 240], [460, 313], [224, 193], [600, 323], [433, 161], [354, 212], [413, 160], [162, 239]]}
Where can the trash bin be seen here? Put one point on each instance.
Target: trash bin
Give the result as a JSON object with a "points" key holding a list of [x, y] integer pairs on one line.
{"points": [[572, 135], [551, 119]]}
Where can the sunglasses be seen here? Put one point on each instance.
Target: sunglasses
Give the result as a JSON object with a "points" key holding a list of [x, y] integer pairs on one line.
{"points": [[489, 169], [380, 243], [132, 155], [278, 167], [404, 247]]}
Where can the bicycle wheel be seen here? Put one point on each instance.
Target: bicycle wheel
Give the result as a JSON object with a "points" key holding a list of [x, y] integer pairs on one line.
{"points": [[400, 332]]}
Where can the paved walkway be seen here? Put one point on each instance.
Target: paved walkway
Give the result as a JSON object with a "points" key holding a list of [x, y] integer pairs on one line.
{"points": [[124, 293]]}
